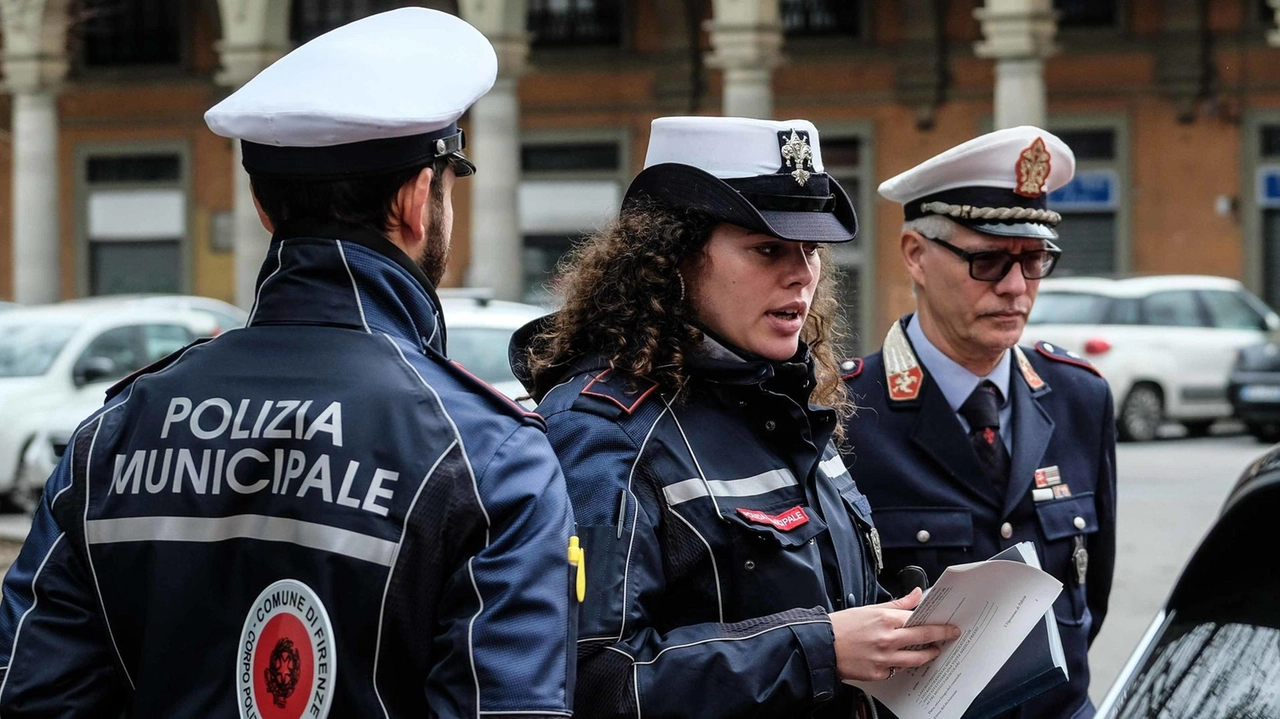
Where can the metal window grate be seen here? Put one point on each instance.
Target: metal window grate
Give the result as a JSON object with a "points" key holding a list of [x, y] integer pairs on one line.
{"points": [[575, 22], [131, 32], [821, 17]]}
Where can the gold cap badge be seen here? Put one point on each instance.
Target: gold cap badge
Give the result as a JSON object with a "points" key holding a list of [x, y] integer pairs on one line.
{"points": [[1033, 169]]}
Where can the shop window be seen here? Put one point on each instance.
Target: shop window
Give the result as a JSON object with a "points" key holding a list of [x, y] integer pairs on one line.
{"points": [[567, 190], [843, 159], [136, 210], [1089, 204]]}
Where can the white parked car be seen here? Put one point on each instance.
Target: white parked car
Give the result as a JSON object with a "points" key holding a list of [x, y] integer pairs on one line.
{"points": [[479, 330], [1166, 344], [56, 361]]}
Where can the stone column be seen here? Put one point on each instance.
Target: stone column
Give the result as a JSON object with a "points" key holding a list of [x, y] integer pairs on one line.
{"points": [[1019, 36], [34, 65], [493, 141], [254, 35], [746, 41]]}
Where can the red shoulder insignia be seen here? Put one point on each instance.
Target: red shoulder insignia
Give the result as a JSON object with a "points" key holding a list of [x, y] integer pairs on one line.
{"points": [[851, 368], [1065, 356], [509, 403], [626, 393]]}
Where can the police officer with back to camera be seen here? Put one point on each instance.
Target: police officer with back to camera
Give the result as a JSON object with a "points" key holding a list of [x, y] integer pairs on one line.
{"points": [[692, 395], [965, 442], [317, 515]]}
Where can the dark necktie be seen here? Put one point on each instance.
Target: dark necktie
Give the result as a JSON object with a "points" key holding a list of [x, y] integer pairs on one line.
{"points": [[982, 412]]}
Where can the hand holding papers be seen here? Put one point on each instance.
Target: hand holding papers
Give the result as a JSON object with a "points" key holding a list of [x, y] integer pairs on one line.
{"points": [[996, 604]]}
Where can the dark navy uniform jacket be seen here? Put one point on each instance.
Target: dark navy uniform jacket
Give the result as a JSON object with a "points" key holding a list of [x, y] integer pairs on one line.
{"points": [[330, 445], [720, 531], [934, 507]]}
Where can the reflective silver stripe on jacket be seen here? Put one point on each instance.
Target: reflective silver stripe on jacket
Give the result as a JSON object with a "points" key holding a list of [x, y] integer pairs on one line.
{"points": [[242, 526], [763, 483]]}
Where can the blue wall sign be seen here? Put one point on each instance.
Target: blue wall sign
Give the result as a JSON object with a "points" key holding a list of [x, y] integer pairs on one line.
{"points": [[1269, 186], [1088, 190]]}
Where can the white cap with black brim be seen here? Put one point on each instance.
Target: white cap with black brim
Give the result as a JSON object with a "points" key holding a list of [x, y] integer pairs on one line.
{"points": [[763, 175], [380, 94], [997, 184]]}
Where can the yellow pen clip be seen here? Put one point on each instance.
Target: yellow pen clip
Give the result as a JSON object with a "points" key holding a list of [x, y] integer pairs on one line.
{"points": [[578, 558]]}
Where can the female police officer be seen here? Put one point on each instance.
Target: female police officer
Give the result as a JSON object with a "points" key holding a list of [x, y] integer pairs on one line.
{"points": [[730, 557]]}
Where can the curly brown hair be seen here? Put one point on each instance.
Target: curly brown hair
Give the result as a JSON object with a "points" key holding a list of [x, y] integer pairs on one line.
{"points": [[622, 300]]}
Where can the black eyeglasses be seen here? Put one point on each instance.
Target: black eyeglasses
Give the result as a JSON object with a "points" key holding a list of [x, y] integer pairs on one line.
{"points": [[993, 265], [461, 164]]}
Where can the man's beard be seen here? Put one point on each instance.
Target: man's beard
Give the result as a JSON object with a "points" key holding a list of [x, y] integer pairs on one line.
{"points": [[435, 252]]}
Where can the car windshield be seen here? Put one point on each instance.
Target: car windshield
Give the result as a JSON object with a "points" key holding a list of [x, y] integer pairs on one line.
{"points": [[1069, 308], [29, 350], [483, 351], [1209, 670]]}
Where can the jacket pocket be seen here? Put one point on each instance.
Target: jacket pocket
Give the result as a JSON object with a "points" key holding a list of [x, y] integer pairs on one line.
{"points": [[1066, 524], [774, 562], [932, 538]]}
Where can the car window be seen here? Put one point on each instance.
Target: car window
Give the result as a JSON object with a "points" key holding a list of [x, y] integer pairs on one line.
{"points": [[483, 351], [222, 320], [1125, 311], [162, 340], [1209, 670], [122, 345], [29, 350], [1230, 311], [1176, 308], [1069, 308]]}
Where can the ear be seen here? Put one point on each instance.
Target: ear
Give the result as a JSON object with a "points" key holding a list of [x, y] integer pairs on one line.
{"points": [[262, 215], [913, 247], [412, 209]]}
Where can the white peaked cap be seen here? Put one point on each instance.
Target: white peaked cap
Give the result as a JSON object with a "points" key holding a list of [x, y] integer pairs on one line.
{"points": [[989, 160], [404, 72], [726, 147], [997, 183]]}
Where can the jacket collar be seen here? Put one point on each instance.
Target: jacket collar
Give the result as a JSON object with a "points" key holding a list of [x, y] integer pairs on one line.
{"points": [[347, 276], [905, 373]]}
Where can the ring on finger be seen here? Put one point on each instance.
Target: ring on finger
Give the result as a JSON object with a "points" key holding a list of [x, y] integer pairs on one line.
{"points": [[892, 671]]}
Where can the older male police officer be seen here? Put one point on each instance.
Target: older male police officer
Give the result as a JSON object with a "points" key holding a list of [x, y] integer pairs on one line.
{"points": [[317, 515], [965, 443]]}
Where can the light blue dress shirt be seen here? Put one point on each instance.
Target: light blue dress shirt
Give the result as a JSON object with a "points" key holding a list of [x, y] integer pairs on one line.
{"points": [[957, 383]]}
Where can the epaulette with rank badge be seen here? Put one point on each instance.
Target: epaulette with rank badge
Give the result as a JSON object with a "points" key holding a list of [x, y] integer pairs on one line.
{"points": [[615, 395], [1065, 356]]}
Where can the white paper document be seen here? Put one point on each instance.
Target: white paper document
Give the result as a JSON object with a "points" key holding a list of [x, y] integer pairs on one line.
{"points": [[996, 604]]}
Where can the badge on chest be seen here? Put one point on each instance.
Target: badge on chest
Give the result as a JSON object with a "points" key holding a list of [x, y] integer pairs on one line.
{"points": [[793, 518]]}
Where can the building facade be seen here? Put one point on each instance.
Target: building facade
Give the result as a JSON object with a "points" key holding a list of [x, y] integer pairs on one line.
{"points": [[110, 182]]}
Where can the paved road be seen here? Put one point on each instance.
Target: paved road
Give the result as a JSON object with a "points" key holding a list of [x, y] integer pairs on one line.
{"points": [[1170, 492]]}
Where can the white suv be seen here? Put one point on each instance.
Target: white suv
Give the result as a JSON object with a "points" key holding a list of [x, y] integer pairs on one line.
{"points": [[1166, 344]]}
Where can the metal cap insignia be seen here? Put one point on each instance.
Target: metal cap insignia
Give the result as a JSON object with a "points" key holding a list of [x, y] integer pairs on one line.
{"points": [[797, 153]]}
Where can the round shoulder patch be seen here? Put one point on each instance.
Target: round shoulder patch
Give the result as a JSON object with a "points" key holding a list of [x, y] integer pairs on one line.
{"points": [[287, 663]]}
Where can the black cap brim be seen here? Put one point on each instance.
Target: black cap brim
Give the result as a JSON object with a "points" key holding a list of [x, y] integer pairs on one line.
{"points": [[1033, 230], [684, 187]]}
